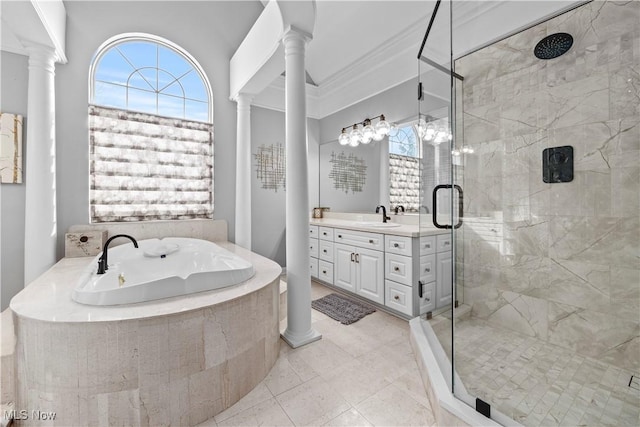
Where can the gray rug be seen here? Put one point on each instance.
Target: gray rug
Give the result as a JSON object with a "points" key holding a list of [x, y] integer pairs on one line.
{"points": [[343, 309]]}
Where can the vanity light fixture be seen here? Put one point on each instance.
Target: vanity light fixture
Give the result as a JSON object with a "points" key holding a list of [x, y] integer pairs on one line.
{"points": [[369, 132], [428, 131]]}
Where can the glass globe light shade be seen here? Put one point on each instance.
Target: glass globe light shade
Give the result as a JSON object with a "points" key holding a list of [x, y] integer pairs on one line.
{"points": [[383, 127], [421, 128], [343, 139], [368, 133], [429, 132], [355, 137]]}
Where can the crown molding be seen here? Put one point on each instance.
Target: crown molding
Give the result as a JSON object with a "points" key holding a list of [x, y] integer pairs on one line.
{"points": [[391, 63]]}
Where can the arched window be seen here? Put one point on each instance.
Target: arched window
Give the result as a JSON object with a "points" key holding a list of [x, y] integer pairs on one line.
{"points": [[151, 132]]}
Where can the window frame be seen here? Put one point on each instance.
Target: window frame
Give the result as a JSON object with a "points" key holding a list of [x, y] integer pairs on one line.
{"points": [[145, 37], [181, 124]]}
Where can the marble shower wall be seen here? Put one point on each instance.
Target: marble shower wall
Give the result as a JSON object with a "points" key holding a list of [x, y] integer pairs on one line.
{"points": [[560, 262]]}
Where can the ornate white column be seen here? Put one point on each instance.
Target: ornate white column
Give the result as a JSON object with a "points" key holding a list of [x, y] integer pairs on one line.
{"points": [[40, 170], [298, 330], [243, 171]]}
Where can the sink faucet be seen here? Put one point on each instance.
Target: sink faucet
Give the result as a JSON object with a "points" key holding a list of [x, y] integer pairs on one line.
{"points": [[399, 207], [102, 261], [384, 213]]}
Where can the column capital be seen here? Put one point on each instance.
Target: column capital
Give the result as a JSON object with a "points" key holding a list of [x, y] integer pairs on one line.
{"points": [[40, 55], [243, 99], [294, 33]]}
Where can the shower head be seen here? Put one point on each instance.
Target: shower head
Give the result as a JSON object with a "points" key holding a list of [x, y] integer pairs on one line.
{"points": [[553, 46]]}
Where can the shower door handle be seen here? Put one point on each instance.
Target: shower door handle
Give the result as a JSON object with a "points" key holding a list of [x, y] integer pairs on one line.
{"points": [[435, 206]]}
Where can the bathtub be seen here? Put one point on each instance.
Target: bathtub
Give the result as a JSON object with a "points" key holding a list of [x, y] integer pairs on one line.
{"points": [[160, 268]]}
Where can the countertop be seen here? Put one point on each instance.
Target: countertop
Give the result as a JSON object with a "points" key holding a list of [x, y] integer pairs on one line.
{"points": [[48, 298], [406, 230]]}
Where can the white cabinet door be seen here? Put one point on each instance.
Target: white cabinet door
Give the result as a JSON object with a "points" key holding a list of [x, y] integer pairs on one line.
{"points": [[344, 267], [443, 279], [370, 276]]}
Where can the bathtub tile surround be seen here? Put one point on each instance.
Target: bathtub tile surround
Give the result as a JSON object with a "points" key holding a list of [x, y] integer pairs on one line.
{"points": [[174, 361], [88, 243], [557, 262]]}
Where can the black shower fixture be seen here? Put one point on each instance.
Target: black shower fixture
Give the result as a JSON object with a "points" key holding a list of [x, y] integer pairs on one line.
{"points": [[553, 46]]}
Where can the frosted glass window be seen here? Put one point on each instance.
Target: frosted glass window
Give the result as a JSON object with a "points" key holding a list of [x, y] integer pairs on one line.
{"points": [[404, 168]]}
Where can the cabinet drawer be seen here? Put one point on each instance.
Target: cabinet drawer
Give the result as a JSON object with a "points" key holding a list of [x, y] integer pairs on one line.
{"points": [[427, 245], [313, 231], [398, 297], [313, 248], [397, 245], [325, 233], [428, 268], [325, 271], [398, 268], [325, 250], [313, 266], [444, 242], [361, 239], [428, 299]]}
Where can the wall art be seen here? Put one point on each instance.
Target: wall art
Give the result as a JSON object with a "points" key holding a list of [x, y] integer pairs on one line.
{"points": [[10, 148], [271, 166], [349, 172]]}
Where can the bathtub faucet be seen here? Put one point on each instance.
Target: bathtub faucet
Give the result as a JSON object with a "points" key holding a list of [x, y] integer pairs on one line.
{"points": [[102, 261]]}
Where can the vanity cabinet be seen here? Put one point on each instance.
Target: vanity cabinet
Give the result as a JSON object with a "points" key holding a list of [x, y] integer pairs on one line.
{"points": [[360, 270], [321, 253], [408, 275]]}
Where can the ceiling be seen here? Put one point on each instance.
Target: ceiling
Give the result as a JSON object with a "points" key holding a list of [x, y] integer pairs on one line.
{"points": [[364, 47]]}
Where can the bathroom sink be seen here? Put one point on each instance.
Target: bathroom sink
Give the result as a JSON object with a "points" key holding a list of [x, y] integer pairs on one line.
{"points": [[377, 224]]}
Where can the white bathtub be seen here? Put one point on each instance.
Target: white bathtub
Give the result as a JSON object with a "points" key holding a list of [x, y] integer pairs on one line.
{"points": [[160, 269]]}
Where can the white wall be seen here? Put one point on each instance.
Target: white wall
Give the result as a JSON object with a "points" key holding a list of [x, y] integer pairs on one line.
{"points": [[13, 100], [268, 206], [210, 31]]}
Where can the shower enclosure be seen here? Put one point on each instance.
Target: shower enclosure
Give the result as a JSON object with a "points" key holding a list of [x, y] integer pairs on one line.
{"points": [[534, 167]]}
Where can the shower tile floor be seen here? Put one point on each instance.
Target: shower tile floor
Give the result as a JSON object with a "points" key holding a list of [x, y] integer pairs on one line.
{"points": [[363, 374], [537, 383]]}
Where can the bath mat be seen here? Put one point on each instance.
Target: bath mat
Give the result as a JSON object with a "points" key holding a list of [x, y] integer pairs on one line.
{"points": [[343, 309]]}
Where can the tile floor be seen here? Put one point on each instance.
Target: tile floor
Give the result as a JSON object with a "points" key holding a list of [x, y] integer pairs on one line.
{"points": [[363, 374], [537, 383]]}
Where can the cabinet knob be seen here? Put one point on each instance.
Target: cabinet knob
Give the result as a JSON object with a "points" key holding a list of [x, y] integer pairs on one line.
{"points": [[427, 270], [427, 245], [324, 271], [324, 233], [395, 245], [396, 268], [428, 299], [447, 243], [371, 241], [324, 250], [396, 297], [339, 236]]}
